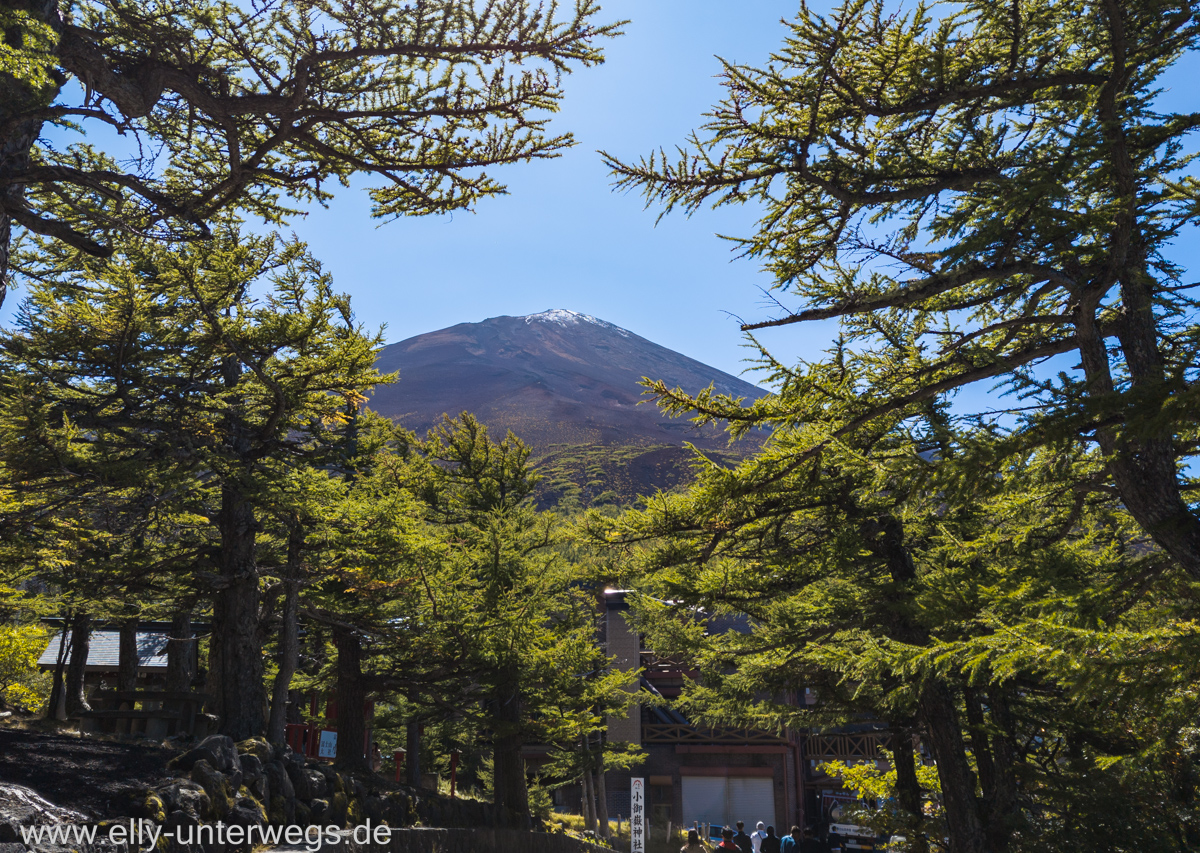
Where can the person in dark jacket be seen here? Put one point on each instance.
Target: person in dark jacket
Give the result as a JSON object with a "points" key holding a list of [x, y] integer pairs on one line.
{"points": [[741, 839], [771, 843], [812, 844]]}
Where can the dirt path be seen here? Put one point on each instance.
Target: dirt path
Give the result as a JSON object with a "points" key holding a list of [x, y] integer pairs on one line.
{"points": [[92, 776]]}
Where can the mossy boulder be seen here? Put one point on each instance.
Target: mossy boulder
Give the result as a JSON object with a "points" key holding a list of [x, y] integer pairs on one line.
{"points": [[216, 785], [277, 811], [258, 747], [339, 809], [154, 807]]}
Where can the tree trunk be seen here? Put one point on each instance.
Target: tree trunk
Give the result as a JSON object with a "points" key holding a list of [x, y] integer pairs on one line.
{"points": [[1003, 817], [587, 806], [412, 758], [511, 791], [940, 717], [235, 672], [601, 793], [81, 631], [181, 653], [908, 789], [127, 656], [289, 641], [351, 700], [56, 707]]}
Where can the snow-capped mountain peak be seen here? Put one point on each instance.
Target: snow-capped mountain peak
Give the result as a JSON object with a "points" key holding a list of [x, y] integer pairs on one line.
{"points": [[563, 317]]}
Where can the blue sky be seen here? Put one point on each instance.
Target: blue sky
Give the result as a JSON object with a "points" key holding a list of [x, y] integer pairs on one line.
{"points": [[562, 238]]}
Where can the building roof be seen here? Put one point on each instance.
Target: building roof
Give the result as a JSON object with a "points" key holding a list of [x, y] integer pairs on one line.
{"points": [[104, 650]]}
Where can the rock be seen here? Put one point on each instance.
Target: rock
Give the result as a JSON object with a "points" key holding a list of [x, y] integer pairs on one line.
{"points": [[225, 755], [247, 812], [188, 797], [277, 777], [216, 786], [277, 811], [253, 777], [301, 783], [177, 819], [154, 807], [252, 768], [303, 814], [376, 809], [21, 807], [309, 784], [279, 787], [258, 747], [188, 760], [318, 809], [339, 809]]}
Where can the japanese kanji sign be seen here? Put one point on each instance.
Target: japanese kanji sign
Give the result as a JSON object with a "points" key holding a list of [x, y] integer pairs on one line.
{"points": [[637, 816]]}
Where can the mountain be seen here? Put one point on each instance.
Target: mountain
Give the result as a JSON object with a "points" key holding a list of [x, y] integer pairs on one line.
{"points": [[567, 384]]}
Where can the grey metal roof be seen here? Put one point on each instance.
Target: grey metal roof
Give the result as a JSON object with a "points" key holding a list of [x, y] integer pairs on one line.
{"points": [[104, 650]]}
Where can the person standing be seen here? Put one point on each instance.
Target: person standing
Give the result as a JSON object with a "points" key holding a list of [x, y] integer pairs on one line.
{"points": [[727, 840], [811, 844], [756, 837], [693, 843], [771, 843], [791, 843], [742, 840]]}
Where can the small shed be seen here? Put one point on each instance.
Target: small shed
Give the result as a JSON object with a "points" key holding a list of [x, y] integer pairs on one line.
{"points": [[104, 653]]}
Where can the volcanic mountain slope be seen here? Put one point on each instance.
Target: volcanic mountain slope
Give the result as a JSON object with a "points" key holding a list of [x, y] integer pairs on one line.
{"points": [[567, 384]]}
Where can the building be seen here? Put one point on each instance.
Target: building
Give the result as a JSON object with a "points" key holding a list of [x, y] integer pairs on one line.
{"points": [[104, 654], [697, 775]]}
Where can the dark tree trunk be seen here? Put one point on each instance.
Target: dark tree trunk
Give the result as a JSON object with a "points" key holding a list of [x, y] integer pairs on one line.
{"points": [[235, 672], [127, 656], [351, 700], [81, 632], [181, 653], [289, 641], [511, 791], [908, 789], [412, 758], [601, 792], [1003, 816], [944, 736], [56, 708], [588, 806]]}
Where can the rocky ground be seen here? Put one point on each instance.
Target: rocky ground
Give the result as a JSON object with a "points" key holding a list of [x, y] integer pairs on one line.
{"points": [[53, 779], [92, 776]]}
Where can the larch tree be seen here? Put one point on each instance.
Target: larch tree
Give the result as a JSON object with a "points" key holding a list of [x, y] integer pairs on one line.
{"points": [[972, 189], [449, 590], [263, 105], [165, 361]]}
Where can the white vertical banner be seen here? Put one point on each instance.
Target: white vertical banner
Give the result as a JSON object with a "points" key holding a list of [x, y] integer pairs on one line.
{"points": [[637, 816]]}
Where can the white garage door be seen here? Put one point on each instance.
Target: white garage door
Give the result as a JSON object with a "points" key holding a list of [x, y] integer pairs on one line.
{"points": [[724, 800]]}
